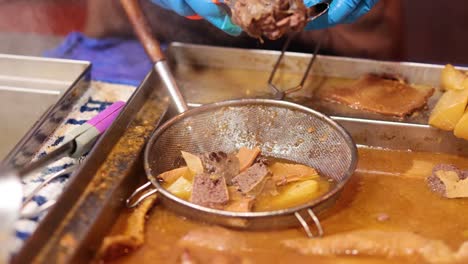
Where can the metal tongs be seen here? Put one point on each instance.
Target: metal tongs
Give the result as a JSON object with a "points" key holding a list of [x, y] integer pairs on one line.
{"points": [[315, 12]]}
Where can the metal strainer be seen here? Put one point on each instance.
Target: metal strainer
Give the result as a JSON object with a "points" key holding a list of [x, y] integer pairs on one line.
{"points": [[281, 129]]}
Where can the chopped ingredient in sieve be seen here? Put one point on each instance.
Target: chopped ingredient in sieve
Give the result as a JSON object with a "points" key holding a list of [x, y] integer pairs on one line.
{"points": [[220, 164], [181, 188], [193, 162], [249, 179], [209, 192], [284, 173], [247, 157], [171, 176]]}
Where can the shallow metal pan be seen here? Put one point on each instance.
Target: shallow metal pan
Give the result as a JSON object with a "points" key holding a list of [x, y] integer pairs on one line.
{"points": [[72, 231]]}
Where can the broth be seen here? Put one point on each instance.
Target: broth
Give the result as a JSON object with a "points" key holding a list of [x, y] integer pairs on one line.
{"points": [[386, 182]]}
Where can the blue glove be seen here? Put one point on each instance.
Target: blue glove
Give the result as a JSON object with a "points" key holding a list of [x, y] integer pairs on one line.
{"points": [[207, 9], [341, 11]]}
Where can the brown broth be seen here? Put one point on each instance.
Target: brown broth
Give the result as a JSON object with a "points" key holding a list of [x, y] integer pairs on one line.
{"points": [[390, 182]]}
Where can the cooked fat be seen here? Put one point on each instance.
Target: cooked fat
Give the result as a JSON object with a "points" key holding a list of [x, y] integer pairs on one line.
{"points": [[378, 243], [132, 236]]}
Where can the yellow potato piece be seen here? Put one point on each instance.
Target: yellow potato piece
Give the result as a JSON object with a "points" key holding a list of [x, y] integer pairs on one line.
{"points": [[461, 129], [294, 194], [449, 109], [181, 188], [171, 176], [193, 162], [453, 79]]}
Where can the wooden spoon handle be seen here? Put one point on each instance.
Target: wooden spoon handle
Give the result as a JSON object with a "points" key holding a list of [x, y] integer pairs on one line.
{"points": [[142, 29]]}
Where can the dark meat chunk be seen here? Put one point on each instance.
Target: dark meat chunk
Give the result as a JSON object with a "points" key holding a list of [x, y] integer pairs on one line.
{"points": [[269, 18], [379, 94], [448, 181], [221, 164], [209, 190], [251, 178]]}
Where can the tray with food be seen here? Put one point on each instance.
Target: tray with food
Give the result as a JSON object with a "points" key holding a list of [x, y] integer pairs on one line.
{"points": [[409, 181]]}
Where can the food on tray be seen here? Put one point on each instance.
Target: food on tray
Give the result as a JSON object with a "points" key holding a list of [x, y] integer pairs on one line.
{"points": [[382, 244], [448, 181], [131, 236], [271, 19], [449, 112], [243, 181], [449, 109], [453, 79], [461, 128], [379, 94]]}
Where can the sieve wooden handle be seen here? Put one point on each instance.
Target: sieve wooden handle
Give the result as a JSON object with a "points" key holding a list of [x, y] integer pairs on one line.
{"points": [[142, 29]]}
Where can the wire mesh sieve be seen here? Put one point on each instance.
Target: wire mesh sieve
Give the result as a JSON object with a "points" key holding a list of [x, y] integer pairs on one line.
{"points": [[281, 129]]}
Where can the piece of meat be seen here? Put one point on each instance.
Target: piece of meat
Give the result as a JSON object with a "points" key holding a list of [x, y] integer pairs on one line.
{"points": [[251, 178], [379, 95], [221, 164], [376, 243], [209, 190], [238, 202], [284, 173], [448, 181], [247, 157], [269, 18], [131, 237]]}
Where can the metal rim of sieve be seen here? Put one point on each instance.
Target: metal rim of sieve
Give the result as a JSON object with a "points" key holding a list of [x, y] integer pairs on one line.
{"points": [[248, 215]]}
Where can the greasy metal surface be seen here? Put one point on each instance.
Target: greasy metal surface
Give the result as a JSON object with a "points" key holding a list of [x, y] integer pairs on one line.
{"points": [[35, 95], [198, 71], [312, 139], [210, 74], [91, 202], [403, 136], [226, 73]]}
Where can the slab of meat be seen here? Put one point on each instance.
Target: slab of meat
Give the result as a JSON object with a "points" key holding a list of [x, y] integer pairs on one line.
{"points": [[221, 164], [209, 190], [269, 18], [377, 243], [251, 178], [448, 181], [379, 94]]}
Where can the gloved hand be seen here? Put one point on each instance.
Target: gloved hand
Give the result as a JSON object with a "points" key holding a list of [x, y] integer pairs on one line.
{"points": [[207, 9], [341, 11]]}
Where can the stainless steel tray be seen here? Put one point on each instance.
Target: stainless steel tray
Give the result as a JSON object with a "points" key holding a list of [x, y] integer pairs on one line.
{"points": [[74, 228], [36, 94]]}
